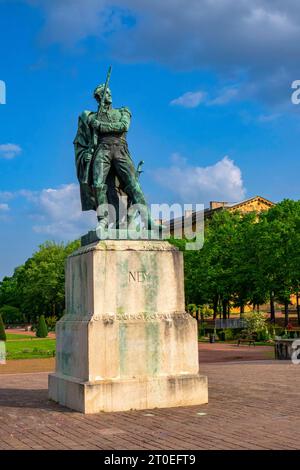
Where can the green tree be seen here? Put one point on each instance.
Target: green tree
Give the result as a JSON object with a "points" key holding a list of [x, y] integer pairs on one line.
{"points": [[42, 330], [256, 325], [9, 293], [38, 286], [210, 273], [295, 259], [221, 265], [11, 315], [2, 330], [279, 256], [246, 259]]}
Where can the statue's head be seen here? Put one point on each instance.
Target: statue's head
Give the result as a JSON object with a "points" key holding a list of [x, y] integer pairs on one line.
{"points": [[98, 93]]}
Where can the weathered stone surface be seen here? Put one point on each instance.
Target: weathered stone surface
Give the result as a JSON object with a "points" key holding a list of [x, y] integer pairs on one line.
{"points": [[131, 393], [126, 341], [287, 349], [125, 277]]}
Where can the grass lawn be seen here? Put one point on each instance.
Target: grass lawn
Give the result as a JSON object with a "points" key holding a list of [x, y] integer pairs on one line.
{"points": [[14, 336], [30, 348]]}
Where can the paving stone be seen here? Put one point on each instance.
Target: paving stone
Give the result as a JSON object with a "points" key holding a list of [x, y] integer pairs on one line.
{"points": [[252, 405]]}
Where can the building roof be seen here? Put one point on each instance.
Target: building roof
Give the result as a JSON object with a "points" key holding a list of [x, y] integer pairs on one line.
{"points": [[191, 218], [251, 199]]}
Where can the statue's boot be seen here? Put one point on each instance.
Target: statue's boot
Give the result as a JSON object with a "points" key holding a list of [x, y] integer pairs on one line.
{"points": [[102, 210]]}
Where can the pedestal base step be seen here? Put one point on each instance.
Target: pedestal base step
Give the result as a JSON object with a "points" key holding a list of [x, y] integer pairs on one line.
{"points": [[122, 234], [128, 394]]}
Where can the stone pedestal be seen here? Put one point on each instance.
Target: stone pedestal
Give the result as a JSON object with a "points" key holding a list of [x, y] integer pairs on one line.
{"points": [[286, 349], [126, 341]]}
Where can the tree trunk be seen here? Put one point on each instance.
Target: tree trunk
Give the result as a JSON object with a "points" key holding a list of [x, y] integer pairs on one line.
{"points": [[272, 307], [242, 310], [201, 314], [228, 310], [286, 313], [215, 307], [298, 308], [224, 309]]}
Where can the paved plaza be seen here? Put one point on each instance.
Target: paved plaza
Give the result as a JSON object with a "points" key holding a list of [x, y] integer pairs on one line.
{"points": [[252, 405]]}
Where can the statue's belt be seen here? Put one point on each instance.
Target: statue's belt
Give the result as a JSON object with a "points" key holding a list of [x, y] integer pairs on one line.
{"points": [[112, 140]]}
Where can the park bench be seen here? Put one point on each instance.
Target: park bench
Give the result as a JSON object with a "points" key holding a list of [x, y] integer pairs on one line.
{"points": [[248, 340], [294, 328]]}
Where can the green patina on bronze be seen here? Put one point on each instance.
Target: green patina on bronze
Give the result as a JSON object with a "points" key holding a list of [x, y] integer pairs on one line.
{"points": [[105, 169]]}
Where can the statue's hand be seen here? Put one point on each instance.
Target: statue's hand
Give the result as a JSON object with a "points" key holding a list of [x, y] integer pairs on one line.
{"points": [[95, 123]]}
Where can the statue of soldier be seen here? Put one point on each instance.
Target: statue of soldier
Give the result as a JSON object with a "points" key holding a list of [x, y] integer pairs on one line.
{"points": [[104, 166]]}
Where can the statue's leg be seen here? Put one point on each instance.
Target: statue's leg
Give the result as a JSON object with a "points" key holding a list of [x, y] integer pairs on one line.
{"points": [[101, 167], [126, 172]]}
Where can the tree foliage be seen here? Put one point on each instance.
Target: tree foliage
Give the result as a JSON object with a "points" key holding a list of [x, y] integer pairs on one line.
{"points": [[246, 259], [38, 287], [255, 322], [11, 315], [42, 330], [2, 330]]}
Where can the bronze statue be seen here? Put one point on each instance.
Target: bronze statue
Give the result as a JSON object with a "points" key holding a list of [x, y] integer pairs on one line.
{"points": [[104, 165]]}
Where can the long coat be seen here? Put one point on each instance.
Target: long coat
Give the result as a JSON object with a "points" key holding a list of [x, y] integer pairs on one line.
{"points": [[83, 146]]}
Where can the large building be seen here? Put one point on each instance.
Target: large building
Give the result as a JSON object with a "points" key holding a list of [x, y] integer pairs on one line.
{"points": [[256, 203], [188, 221]]}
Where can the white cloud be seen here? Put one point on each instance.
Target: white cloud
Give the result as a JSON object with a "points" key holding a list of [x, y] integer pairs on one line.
{"points": [[55, 212], [4, 207], [177, 159], [69, 21], [193, 99], [58, 212], [226, 96], [190, 99], [265, 118], [4, 211], [6, 195], [253, 38], [9, 151], [194, 184]]}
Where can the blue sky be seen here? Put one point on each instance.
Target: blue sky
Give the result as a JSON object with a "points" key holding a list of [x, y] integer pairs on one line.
{"points": [[208, 84]]}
